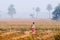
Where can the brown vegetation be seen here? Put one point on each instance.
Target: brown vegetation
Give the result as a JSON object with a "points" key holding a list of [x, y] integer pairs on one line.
{"points": [[24, 34]]}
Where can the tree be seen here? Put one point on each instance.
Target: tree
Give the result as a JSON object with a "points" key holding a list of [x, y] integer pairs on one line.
{"points": [[11, 10], [49, 8], [37, 10], [56, 13], [32, 15]]}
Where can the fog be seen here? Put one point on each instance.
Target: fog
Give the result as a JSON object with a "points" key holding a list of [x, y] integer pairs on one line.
{"points": [[25, 7]]}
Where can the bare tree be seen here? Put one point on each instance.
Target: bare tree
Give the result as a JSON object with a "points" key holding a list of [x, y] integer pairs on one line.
{"points": [[37, 10], [33, 14]]}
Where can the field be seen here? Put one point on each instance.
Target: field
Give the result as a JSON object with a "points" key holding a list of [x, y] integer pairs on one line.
{"points": [[21, 29]]}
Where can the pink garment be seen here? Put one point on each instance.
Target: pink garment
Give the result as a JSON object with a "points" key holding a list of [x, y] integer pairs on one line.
{"points": [[33, 31]]}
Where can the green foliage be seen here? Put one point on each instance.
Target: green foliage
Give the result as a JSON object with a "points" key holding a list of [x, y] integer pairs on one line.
{"points": [[56, 13]]}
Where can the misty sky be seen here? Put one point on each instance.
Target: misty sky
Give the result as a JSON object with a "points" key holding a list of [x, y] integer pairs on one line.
{"points": [[25, 7]]}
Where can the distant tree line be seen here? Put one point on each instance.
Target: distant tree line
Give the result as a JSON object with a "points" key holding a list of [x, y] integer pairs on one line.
{"points": [[55, 13]]}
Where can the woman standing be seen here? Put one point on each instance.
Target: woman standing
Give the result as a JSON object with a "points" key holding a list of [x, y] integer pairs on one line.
{"points": [[33, 28]]}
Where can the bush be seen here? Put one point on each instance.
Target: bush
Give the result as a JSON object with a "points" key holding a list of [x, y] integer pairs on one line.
{"points": [[57, 37]]}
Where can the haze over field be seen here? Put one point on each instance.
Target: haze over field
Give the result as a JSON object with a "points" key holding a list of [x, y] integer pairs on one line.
{"points": [[25, 7]]}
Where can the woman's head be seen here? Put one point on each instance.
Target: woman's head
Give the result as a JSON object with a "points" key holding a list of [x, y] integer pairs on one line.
{"points": [[33, 22]]}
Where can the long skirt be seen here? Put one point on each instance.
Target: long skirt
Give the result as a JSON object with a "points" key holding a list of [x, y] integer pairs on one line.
{"points": [[33, 31]]}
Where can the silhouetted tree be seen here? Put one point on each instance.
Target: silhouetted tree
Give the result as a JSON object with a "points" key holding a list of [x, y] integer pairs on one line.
{"points": [[11, 10], [32, 15], [56, 13], [49, 8], [37, 10]]}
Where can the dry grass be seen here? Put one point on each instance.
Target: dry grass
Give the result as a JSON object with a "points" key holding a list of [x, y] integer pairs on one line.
{"points": [[40, 35], [27, 35]]}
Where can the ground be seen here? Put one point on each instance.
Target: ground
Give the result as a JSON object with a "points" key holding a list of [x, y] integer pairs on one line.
{"points": [[21, 29]]}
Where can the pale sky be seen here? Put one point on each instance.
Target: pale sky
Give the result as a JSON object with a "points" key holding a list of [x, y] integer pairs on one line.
{"points": [[25, 7]]}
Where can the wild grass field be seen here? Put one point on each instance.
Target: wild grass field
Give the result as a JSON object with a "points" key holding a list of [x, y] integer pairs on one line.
{"points": [[21, 30]]}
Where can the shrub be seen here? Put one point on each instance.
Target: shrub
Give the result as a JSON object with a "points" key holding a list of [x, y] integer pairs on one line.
{"points": [[57, 37]]}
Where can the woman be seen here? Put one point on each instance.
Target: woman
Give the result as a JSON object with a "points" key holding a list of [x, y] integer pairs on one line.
{"points": [[33, 28]]}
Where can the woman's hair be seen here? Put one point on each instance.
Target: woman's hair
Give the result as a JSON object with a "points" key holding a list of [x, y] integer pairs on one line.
{"points": [[33, 22]]}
